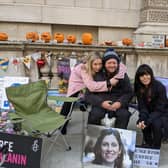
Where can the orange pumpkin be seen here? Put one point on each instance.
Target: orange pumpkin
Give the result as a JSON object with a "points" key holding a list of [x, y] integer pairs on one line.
{"points": [[87, 38], [3, 36], [59, 37], [32, 36], [127, 41], [46, 37], [71, 38]]}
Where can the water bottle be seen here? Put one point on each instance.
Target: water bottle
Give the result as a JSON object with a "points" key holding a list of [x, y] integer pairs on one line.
{"points": [[106, 121], [9, 127], [4, 116]]}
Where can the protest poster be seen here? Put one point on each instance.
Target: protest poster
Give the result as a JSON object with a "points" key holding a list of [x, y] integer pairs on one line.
{"points": [[108, 147], [158, 40], [146, 158], [22, 151], [8, 81], [63, 68], [56, 105]]}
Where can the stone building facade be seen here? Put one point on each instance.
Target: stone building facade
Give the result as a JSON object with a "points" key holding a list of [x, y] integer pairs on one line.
{"points": [[105, 19]]}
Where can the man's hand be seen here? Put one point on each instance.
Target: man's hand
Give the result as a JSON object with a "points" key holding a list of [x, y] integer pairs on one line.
{"points": [[141, 125], [106, 105], [115, 106], [111, 107]]}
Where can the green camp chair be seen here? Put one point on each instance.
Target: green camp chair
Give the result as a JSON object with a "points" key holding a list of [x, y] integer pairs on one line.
{"points": [[30, 104]]}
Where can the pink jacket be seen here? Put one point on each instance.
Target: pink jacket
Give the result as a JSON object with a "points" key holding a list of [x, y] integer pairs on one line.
{"points": [[79, 80]]}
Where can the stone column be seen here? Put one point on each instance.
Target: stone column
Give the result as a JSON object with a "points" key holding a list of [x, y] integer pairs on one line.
{"points": [[153, 20]]}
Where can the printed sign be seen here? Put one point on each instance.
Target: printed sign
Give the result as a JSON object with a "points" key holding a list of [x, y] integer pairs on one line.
{"points": [[111, 147], [22, 151], [73, 62], [56, 105], [63, 68], [146, 158]]}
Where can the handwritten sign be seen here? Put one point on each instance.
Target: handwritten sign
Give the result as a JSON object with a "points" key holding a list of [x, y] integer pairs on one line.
{"points": [[22, 151], [158, 41], [146, 158]]}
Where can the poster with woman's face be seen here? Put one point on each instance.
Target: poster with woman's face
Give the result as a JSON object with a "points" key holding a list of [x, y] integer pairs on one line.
{"points": [[109, 147]]}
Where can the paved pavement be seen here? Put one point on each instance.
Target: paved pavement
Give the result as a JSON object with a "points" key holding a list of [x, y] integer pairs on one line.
{"points": [[58, 157]]}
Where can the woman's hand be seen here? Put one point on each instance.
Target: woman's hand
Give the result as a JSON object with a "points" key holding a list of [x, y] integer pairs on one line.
{"points": [[113, 81]]}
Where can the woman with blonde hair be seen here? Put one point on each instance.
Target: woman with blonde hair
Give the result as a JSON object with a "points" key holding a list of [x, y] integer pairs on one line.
{"points": [[82, 77]]}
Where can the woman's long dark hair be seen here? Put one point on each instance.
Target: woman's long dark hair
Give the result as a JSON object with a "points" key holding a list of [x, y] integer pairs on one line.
{"points": [[139, 88], [97, 149]]}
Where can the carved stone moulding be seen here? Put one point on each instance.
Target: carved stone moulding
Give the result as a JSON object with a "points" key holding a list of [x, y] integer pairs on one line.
{"points": [[160, 16], [154, 15], [157, 4], [144, 16], [145, 3]]}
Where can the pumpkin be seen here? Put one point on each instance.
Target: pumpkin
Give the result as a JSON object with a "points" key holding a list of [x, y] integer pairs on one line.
{"points": [[87, 38], [46, 37], [71, 38], [59, 37], [166, 43], [127, 41], [32, 36], [3, 36], [109, 43]]}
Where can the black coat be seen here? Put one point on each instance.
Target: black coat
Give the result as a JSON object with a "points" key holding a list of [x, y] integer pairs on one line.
{"points": [[154, 108], [122, 92]]}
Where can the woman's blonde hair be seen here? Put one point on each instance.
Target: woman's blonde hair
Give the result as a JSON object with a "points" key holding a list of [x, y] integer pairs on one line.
{"points": [[92, 57]]}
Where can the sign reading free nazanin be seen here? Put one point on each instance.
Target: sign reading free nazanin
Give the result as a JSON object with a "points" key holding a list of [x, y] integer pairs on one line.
{"points": [[22, 152]]}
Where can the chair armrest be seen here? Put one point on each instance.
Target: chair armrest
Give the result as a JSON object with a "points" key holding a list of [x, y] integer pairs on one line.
{"points": [[15, 118], [62, 98]]}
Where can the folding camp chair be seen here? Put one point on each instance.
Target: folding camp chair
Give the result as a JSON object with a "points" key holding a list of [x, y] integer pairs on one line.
{"points": [[30, 103]]}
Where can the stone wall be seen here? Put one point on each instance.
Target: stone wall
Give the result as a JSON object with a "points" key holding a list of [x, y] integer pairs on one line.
{"points": [[154, 11], [101, 17], [72, 12], [131, 56], [17, 31], [153, 20]]}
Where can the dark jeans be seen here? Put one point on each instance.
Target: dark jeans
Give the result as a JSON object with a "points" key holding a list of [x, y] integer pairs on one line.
{"points": [[65, 111], [122, 116], [153, 134], [165, 127]]}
